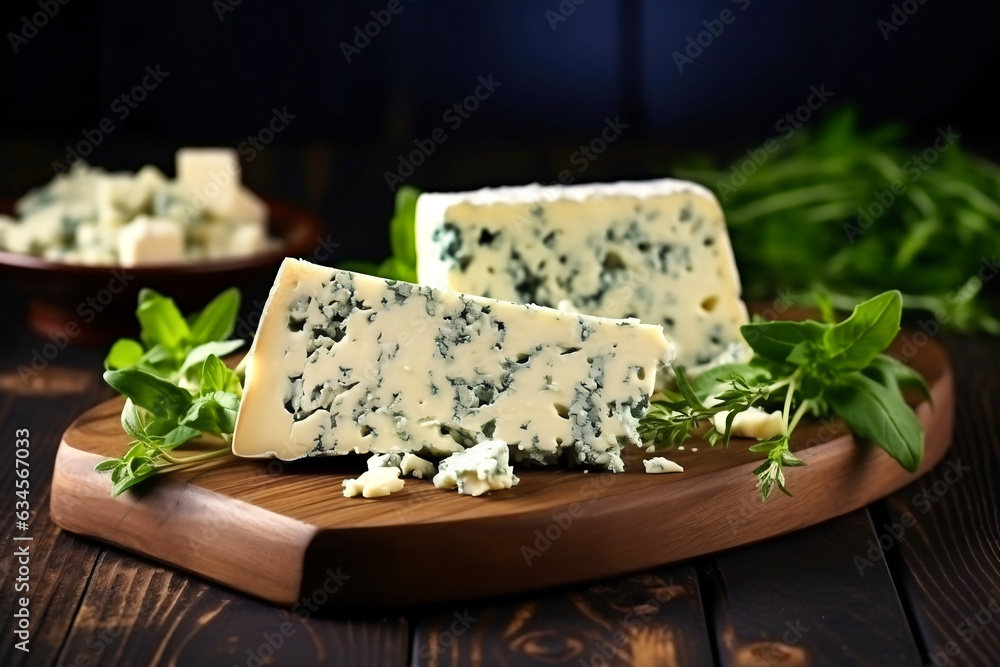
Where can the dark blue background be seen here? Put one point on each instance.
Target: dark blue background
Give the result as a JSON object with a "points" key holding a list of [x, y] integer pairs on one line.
{"points": [[606, 59]]}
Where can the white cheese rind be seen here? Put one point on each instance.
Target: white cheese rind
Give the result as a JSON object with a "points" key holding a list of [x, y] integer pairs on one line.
{"points": [[656, 250], [374, 483], [344, 363], [477, 470]]}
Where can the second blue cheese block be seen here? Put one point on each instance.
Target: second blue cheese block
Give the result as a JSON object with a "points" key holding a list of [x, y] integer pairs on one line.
{"points": [[344, 363], [654, 250]]}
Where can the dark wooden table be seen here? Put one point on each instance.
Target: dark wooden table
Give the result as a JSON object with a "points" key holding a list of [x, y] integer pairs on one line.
{"points": [[912, 580]]}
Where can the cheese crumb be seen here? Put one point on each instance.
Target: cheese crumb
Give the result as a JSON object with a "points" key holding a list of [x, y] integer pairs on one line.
{"points": [[478, 469], [417, 467], [374, 483], [752, 423], [658, 464]]}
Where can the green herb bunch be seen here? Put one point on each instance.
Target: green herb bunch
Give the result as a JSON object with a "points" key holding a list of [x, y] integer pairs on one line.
{"points": [[178, 391], [804, 368], [854, 213]]}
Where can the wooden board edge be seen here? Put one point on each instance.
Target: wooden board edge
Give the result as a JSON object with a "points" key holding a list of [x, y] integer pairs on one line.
{"points": [[144, 521]]}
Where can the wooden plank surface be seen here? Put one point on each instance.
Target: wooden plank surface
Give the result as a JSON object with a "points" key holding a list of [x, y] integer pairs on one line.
{"points": [[44, 403], [943, 535], [800, 600], [135, 613], [649, 619]]}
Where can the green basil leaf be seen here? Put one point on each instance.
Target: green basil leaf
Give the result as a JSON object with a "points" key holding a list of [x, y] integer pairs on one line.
{"points": [[179, 435], [879, 415], [124, 353], [715, 379], [217, 321], [162, 323], [133, 478], [402, 227], [854, 343], [684, 387], [196, 357], [110, 464], [131, 421], [216, 376], [394, 269], [160, 397], [894, 374], [776, 340], [215, 413]]}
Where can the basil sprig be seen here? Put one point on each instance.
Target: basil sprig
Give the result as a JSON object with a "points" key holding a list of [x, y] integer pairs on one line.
{"points": [[804, 368], [178, 391]]}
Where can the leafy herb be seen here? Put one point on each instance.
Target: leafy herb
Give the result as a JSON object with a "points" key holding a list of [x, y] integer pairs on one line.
{"points": [[177, 389], [402, 265], [853, 213], [804, 368]]}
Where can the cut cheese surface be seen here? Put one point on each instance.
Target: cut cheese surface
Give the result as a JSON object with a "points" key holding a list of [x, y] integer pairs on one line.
{"points": [[344, 362], [655, 250]]}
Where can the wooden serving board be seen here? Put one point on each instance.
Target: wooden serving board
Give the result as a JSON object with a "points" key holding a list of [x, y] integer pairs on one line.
{"points": [[284, 532]]}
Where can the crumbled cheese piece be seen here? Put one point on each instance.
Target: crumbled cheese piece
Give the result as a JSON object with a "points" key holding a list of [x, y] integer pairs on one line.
{"points": [[374, 483], [417, 467], [476, 470], [752, 423], [658, 464], [387, 460]]}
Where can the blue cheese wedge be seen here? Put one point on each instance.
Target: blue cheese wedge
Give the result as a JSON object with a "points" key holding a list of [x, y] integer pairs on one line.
{"points": [[477, 470], [347, 363], [658, 465], [374, 483], [656, 250]]}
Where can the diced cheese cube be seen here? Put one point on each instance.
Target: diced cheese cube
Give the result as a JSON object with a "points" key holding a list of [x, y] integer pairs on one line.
{"points": [[655, 250], [248, 207], [344, 362], [148, 240], [213, 175]]}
